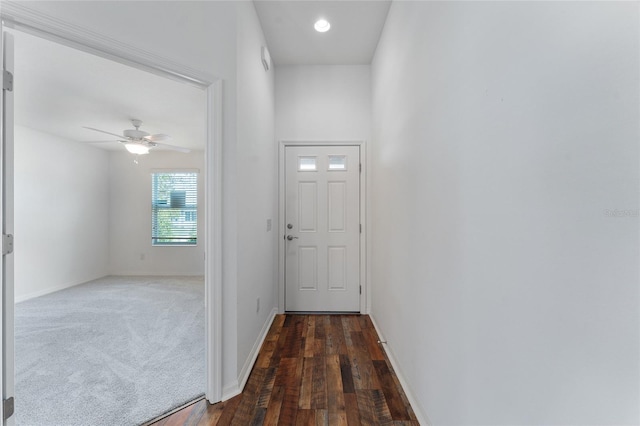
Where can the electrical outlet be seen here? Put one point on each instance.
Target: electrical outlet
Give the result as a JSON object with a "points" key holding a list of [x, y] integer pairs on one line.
{"points": [[141, 256], [268, 225], [257, 304]]}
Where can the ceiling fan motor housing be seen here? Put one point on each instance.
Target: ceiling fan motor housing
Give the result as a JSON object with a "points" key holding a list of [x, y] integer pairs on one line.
{"points": [[135, 134]]}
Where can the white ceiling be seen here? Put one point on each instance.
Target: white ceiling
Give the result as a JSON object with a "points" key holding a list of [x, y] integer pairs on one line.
{"points": [[355, 30], [60, 89]]}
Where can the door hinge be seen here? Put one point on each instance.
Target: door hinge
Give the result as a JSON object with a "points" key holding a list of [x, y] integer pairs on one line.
{"points": [[361, 228], [360, 289], [7, 408], [7, 81], [360, 167], [7, 244]]}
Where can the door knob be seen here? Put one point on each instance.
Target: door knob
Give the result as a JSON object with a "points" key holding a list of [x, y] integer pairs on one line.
{"points": [[291, 237]]}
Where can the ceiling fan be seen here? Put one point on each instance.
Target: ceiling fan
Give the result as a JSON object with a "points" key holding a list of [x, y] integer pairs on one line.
{"points": [[138, 141]]}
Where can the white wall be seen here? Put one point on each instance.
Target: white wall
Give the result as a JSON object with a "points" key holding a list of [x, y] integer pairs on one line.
{"points": [[316, 102], [256, 188], [83, 213], [324, 103], [61, 213], [199, 35], [503, 133], [130, 249]]}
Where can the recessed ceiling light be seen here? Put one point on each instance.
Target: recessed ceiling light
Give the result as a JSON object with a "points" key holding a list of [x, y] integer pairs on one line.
{"points": [[322, 25]]}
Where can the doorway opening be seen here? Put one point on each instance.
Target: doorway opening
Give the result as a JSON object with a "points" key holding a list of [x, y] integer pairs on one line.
{"points": [[212, 103]]}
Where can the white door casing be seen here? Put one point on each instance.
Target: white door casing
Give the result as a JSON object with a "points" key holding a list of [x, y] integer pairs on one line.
{"points": [[2, 298], [6, 209], [322, 228]]}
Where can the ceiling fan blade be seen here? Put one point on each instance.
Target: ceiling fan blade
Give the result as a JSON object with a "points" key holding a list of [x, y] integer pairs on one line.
{"points": [[160, 137], [111, 141], [173, 147], [102, 131]]}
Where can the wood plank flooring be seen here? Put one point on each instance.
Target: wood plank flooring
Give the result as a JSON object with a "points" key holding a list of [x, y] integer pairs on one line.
{"points": [[312, 370]]}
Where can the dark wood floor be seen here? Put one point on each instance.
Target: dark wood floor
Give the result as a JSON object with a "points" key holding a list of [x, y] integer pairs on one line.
{"points": [[312, 370]]}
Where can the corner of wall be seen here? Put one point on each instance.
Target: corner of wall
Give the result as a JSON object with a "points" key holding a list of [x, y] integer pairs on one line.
{"points": [[418, 410], [235, 387], [49, 290]]}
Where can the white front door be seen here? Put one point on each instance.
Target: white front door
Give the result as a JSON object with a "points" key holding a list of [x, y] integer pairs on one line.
{"points": [[6, 211], [322, 228]]}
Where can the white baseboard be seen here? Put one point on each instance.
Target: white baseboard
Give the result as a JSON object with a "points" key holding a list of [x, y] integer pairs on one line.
{"points": [[49, 290], [230, 390], [417, 407], [235, 388], [150, 274]]}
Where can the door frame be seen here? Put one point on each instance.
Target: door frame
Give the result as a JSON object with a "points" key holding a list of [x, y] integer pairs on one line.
{"points": [[7, 218], [20, 17], [364, 299]]}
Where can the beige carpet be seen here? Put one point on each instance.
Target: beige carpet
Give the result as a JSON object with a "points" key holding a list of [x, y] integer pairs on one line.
{"points": [[115, 351]]}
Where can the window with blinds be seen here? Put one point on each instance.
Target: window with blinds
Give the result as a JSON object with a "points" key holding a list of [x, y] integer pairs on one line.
{"points": [[174, 208]]}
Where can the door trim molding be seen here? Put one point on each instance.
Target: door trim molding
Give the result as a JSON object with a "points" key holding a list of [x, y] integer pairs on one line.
{"points": [[22, 18], [364, 282]]}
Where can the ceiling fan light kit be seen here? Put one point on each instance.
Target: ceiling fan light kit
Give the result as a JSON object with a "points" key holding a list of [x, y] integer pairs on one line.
{"points": [[136, 148]]}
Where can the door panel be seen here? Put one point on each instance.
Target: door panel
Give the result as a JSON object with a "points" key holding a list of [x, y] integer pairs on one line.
{"points": [[308, 206], [336, 204], [322, 213], [337, 264], [307, 268]]}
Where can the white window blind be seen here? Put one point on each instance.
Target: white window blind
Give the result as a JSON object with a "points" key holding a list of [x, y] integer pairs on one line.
{"points": [[174, 208]]}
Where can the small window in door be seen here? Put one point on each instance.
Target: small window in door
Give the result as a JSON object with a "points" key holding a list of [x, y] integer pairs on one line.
{"points": [[337, 162], [307, 164]]}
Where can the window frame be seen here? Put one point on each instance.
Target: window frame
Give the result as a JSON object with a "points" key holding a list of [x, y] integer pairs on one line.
{"points": [[164, 204]]}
